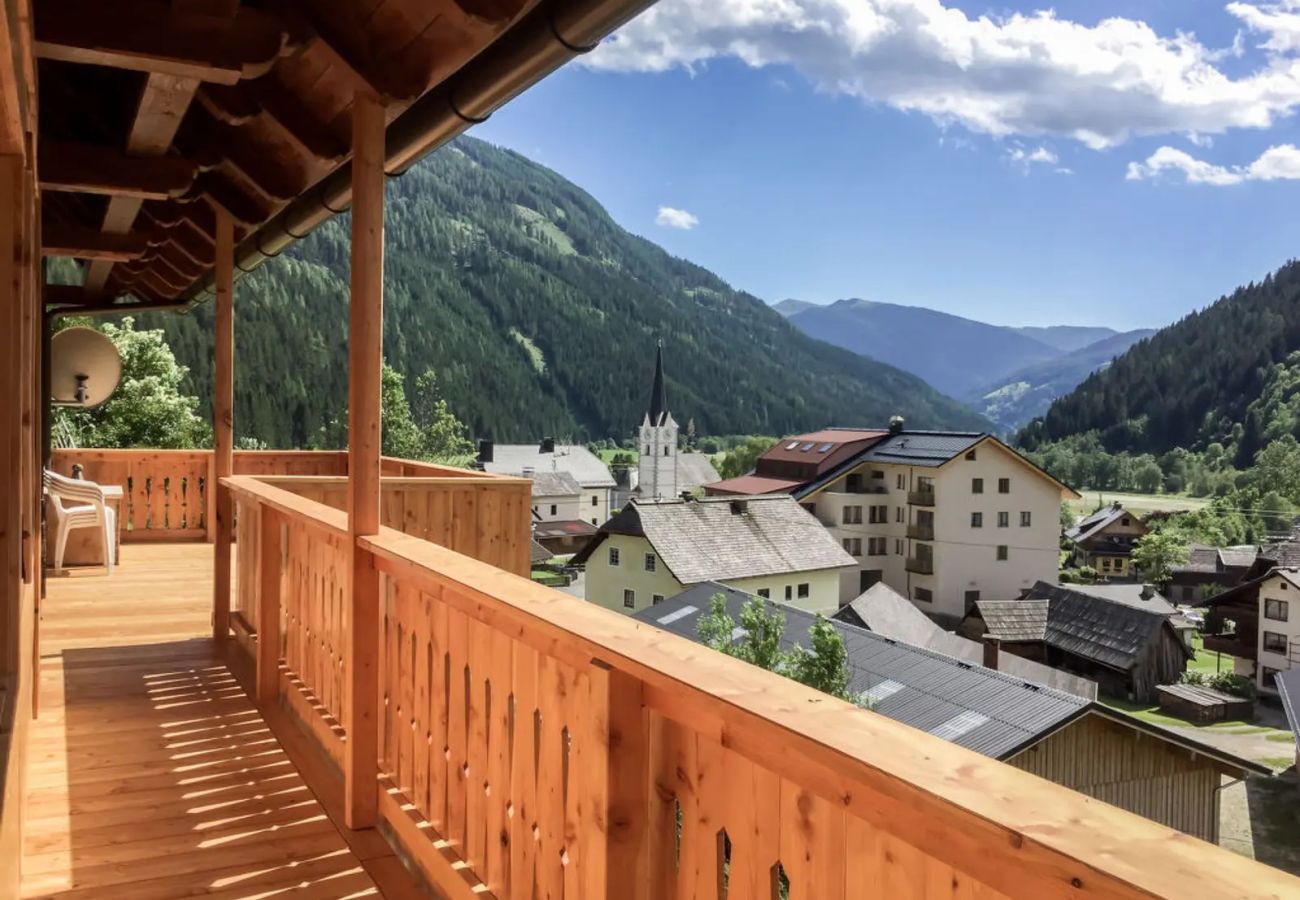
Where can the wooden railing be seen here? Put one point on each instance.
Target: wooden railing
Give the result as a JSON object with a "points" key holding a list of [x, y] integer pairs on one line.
{"points": [[533, 745]]}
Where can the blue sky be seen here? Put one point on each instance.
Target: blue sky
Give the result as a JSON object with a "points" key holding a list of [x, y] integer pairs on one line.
{"points": [[1019, 169]]}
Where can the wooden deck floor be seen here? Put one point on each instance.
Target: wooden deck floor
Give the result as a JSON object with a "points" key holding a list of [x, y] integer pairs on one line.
{"points": [[151, 775]]}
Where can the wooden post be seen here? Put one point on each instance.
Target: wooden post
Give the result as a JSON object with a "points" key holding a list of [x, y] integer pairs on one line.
{"points": [[223, 419], [270, 557], [626, 869], [365, 359]]}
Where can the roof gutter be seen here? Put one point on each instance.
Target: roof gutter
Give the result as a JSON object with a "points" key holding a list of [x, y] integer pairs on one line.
{"points": [[546, 38]]}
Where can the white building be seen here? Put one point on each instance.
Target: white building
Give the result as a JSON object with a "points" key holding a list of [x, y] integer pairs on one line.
{"points": [[557, 497], [585, 467], [768, 546]]}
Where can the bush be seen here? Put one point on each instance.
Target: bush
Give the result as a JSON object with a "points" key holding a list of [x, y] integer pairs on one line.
{"points": [[1225, 682]]}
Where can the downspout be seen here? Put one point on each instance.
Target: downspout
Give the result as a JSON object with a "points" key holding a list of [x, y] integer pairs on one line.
{"points": [[543, 40]]}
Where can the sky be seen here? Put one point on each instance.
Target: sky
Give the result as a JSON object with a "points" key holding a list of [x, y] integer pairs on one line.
{"points": [[1101, 162]]}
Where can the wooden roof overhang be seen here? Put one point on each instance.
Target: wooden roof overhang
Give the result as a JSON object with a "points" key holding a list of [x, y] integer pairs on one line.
{"points": [[153, 114]]}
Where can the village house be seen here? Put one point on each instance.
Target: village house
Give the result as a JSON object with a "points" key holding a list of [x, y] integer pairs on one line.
{"points": [[1071, 740], [944, 518], [654, 549], [1104, 541], [1258, 623], [1127, 648], [1209, 570], [575, 460]]}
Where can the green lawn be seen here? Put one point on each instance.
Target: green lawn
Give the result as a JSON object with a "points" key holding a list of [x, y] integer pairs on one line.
{"points": [[1138, 503], [607, 456], [1207, 660]]}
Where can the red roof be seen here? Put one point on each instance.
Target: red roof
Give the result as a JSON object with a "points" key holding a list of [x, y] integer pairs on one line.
{"points": [[751, 485], [562, 528]]}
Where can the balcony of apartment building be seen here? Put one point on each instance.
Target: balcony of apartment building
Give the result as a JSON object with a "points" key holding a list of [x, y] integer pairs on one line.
{"points": [[329, 674], [923, 528], [920, 565], [922, 494]]}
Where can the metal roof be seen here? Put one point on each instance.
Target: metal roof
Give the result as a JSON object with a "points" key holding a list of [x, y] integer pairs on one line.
{"points": [[752, 484], [987, 711], [578, 461], [922, 448]]}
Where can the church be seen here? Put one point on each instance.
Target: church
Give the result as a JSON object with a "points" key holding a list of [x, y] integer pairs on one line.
{"points": [[663, 472]]}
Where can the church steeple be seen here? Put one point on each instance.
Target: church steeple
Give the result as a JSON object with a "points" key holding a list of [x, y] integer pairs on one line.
{"points": [[658, 393]]}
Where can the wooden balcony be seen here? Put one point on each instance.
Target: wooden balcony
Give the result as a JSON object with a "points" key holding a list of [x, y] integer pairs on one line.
{"points": [[1231, 644]]}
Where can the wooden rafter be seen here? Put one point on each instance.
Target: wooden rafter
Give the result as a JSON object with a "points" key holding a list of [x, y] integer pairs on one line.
{"points": [[90, 243], [85, 168], [156, 38]]}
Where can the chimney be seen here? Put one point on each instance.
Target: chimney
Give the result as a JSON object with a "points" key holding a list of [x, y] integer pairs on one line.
{"points": [[1148, 591], [485, 451], [688, 496], [738, 506], [895, 424], [547, 445], [991, 652]]}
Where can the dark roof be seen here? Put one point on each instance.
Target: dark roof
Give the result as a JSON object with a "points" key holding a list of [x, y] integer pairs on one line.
{"points": [[723, 537], [658, 410], [537, 553], [1288, 689], [1129, 595], [1096, 628], [923, 448], [1282, 553], [1092, 525], [987, 711], [751, 485], [543, 531], [1015, 620], [1201, 559]]}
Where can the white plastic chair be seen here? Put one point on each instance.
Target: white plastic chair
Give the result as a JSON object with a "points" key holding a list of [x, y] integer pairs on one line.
{"points": [[79, 504]]}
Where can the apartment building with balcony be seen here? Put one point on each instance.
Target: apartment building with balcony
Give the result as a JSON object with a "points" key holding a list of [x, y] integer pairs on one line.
{"points": [[944, 518]]}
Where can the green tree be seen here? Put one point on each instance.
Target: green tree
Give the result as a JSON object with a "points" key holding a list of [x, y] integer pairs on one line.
{"points": [[148, 409], [742, 457], [446, 438], [826, 666], [1156, 553]]}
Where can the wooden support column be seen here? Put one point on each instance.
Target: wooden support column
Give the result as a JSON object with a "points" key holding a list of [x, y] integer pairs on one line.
{"points": [[365, 358], [223, 421], [270, 556]]}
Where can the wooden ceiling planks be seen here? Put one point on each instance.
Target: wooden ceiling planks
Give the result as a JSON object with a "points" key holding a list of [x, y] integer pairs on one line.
{"points": [[260, 108]]}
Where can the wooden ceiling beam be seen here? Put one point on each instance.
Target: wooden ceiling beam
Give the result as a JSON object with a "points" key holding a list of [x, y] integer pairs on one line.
{"points": [[122, 309], [245, 209], [88, 169], [151, 36], [369, 76], [72, 295], [90, 243]]}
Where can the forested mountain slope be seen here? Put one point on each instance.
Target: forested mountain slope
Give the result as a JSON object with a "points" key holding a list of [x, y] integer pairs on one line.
{"points": [[1229, 373], [954, 354], [539, 315]]}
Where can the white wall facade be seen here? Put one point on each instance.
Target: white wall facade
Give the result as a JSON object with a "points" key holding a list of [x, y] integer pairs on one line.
{"points": [[593, 505], [561, 508], [964, 558], [606, 583], [1279, 631]]}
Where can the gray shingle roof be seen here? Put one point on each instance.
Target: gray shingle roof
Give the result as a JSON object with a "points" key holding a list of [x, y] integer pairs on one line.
{"points": [[693, 470], [990, 712], [1128, 594], [1096, 628], [555, 484], [578, 461], [1015, 620], [719, 538], [1288, 689], [1094, 523], [1242, 556], [922, 448]]}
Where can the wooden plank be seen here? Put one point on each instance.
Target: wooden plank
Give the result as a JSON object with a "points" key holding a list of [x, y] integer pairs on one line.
{"points": [[88, 169], [365, 360], [627, 786], [270, 550], [223, 421], [88, 243]]}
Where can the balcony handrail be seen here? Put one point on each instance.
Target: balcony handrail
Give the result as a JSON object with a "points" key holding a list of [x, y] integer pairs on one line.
{"points": [[848, 771]]}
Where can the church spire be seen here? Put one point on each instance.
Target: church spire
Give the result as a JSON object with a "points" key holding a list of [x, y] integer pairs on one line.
{"points": [[658, 393]]}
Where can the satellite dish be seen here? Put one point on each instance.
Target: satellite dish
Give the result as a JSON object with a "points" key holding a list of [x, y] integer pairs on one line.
{"points": [[84, 367]]}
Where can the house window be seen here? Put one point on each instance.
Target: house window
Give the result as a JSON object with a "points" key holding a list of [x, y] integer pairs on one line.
{"points": [[629, 598], [852, 515], [977, 520], [665, 451], [853, 483], [656, 599], [1268, 677], [898, 514], [803, 591], [898, 546], [646, 451], [553, 509], [593, 500], [649, 562], [1124, 521], [1105, 562], [789, 592], [876, 547], [972, 597], [613, 556], [970, 455], [1025, 519], [1275, 610], [902, 481], [924, 595], [594, 522], [852, 546], [878, 474], [878, 515], [1274, 642], [1004, 519], [765, 593], [977, 485], [1004, 485], [1002, 552]]}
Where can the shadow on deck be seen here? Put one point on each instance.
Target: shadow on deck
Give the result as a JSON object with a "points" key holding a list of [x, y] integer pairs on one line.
{"points": [[151, 773]]}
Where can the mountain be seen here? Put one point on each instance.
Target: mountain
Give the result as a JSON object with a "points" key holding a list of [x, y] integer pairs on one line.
{"points": [[1229, 373], [953, 354], [1012, 401], [539, 315], [789, 306], [1068, 338]]}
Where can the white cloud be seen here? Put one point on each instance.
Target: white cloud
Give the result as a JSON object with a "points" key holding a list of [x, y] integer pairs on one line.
{"points": [[1276, 163], [676, 218], [1026, 159], [1030, 75]]}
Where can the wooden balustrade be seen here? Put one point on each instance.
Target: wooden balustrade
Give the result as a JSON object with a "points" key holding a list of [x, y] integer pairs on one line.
{"points": [[532, 745]]}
